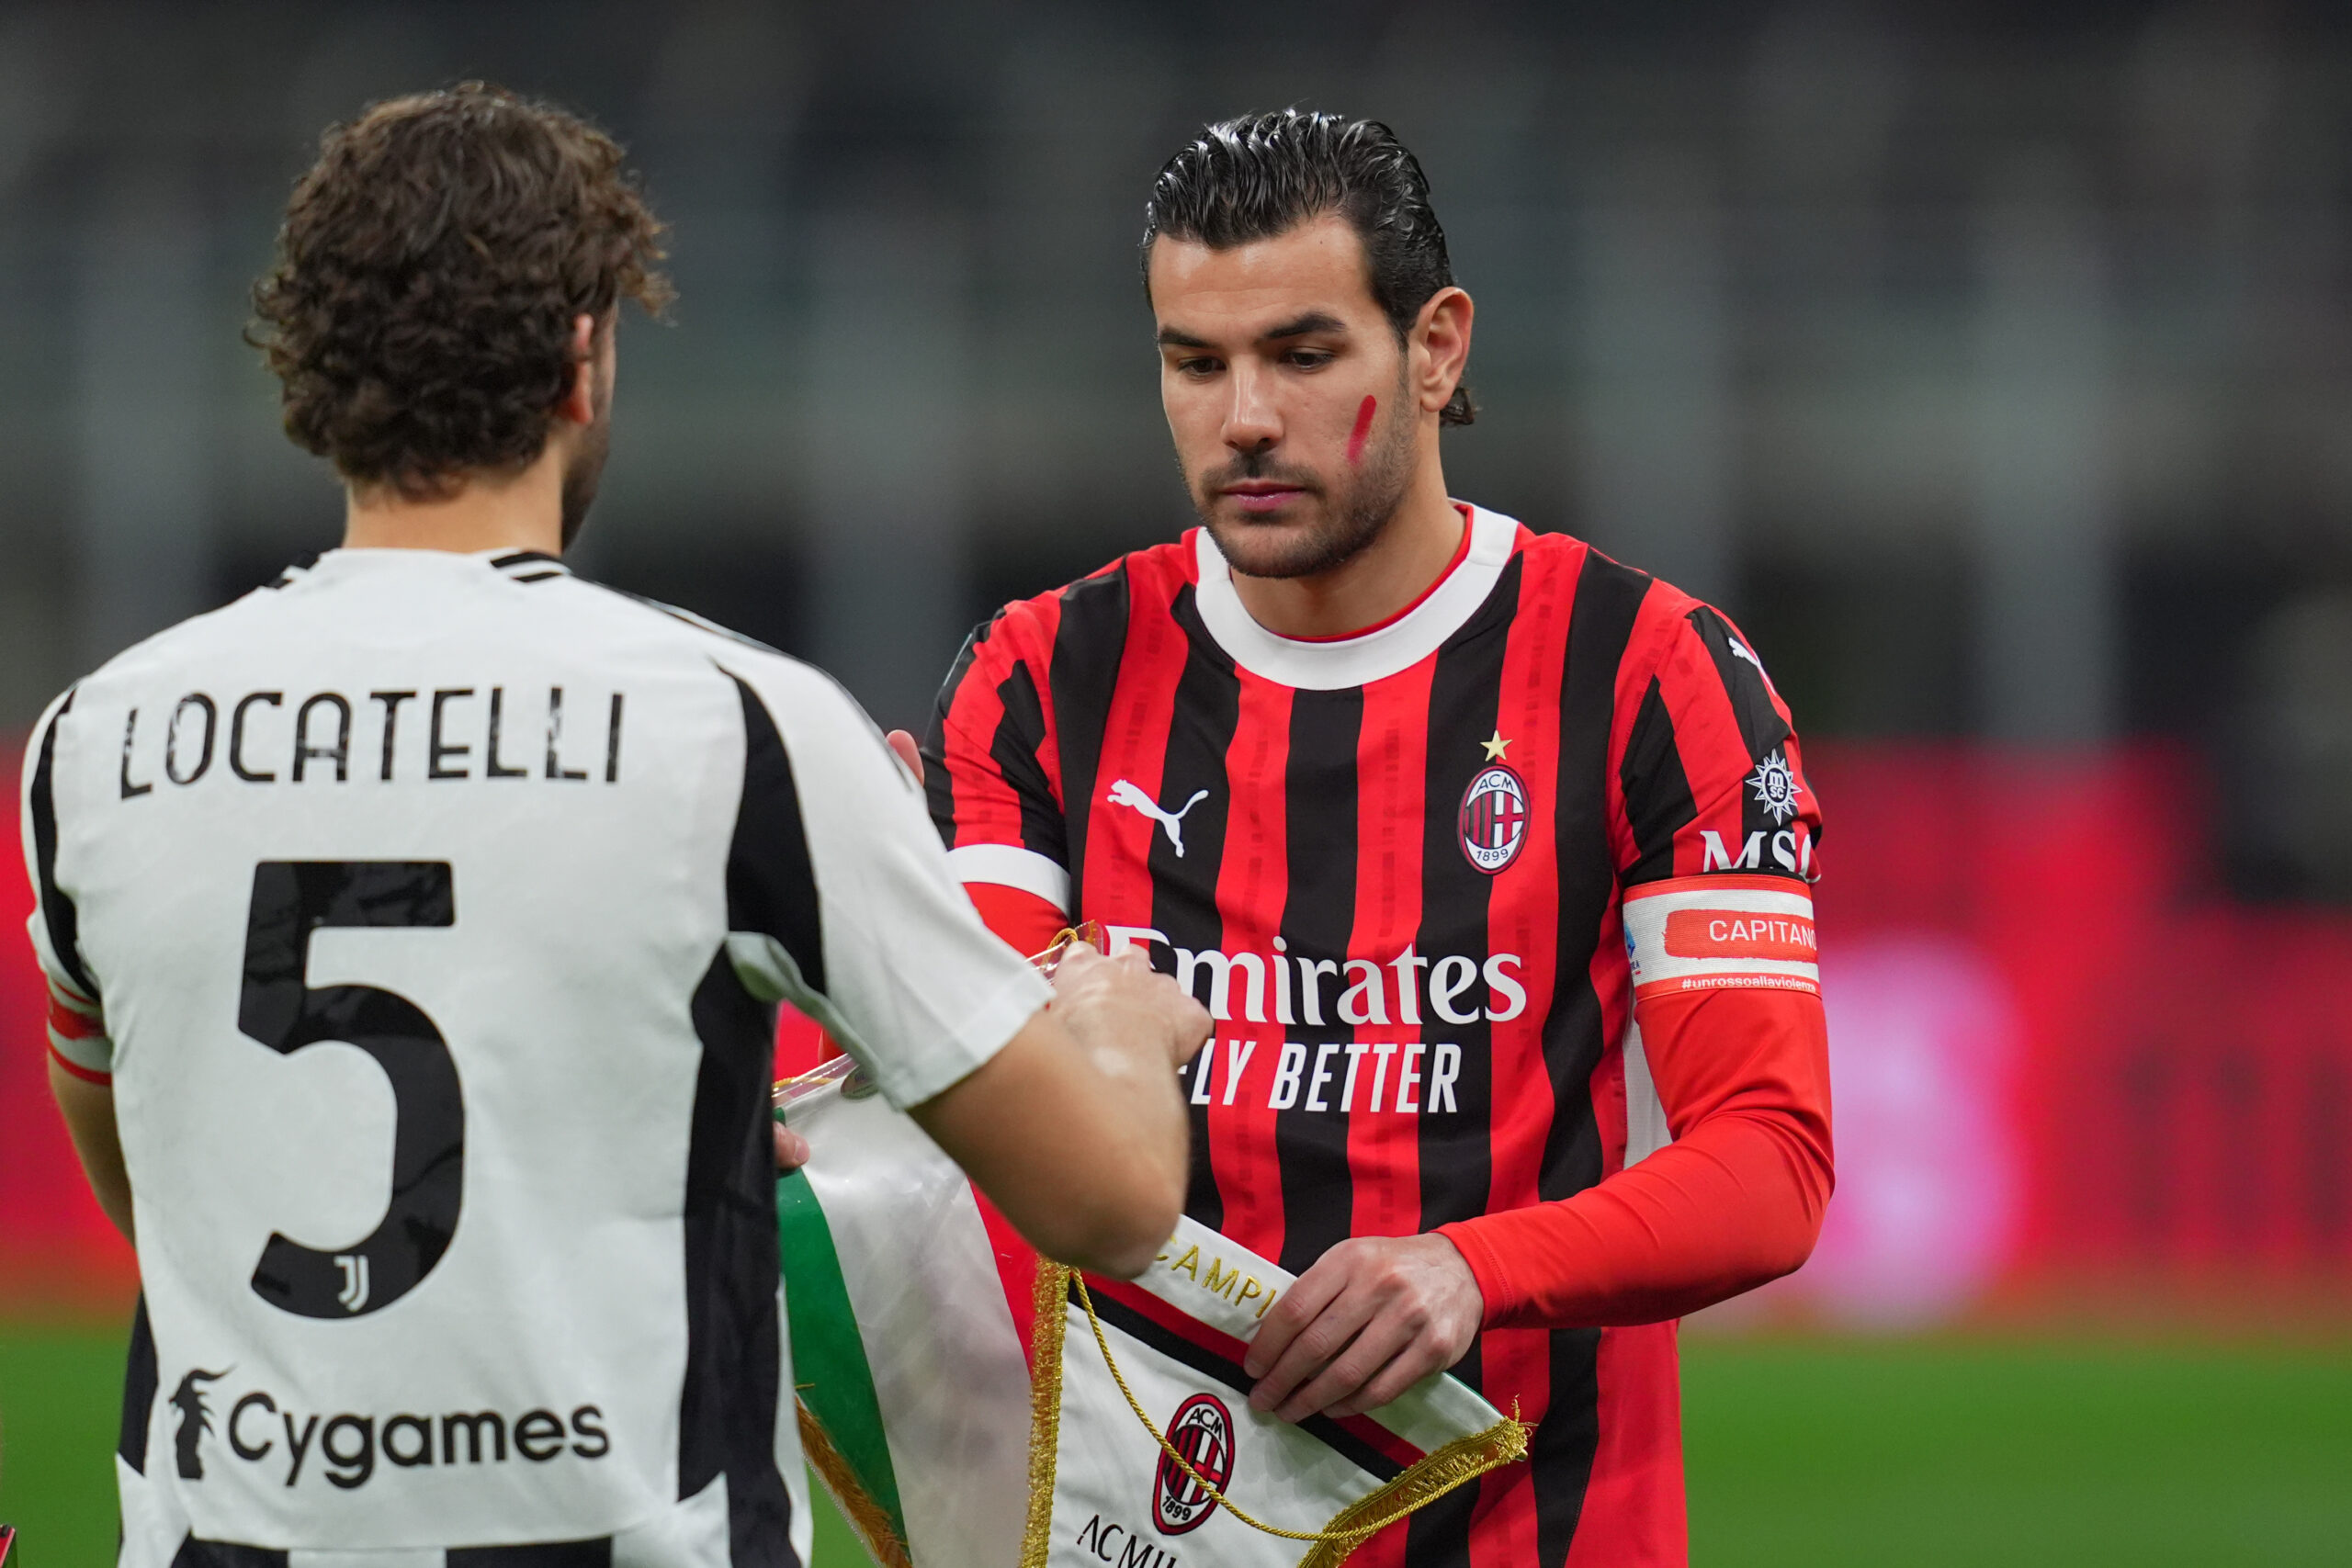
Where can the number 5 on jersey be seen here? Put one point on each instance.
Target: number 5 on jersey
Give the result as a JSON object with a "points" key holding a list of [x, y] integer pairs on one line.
{"points": [[277, 1008]]}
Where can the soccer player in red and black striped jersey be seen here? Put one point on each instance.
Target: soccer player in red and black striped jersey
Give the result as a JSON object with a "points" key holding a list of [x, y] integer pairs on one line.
{"points": [[1490, 856]]}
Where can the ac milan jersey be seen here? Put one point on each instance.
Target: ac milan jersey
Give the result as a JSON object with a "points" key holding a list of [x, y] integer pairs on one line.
{"points": [[1397, 869], [428, 912]]}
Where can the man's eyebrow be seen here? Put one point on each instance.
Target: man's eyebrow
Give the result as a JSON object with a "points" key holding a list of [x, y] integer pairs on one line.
{"points": [[1299, 326]]}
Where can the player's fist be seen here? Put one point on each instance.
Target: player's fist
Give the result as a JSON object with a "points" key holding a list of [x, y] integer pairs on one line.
{"points": [[1123, 1006], [1373, 1317]]}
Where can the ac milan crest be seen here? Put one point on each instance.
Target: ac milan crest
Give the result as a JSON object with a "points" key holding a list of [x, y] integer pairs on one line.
{"points": [[1494, 818], [1202, 1433]]}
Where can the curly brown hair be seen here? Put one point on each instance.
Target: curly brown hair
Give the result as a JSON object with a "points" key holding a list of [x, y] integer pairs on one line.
{"points": [[420, 309]]}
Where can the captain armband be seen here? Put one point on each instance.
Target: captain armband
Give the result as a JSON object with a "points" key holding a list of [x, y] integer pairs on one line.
{"points": [[1705, 933]]}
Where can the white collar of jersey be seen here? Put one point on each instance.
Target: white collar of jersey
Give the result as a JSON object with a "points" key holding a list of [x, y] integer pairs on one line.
{"points": [[1357, 661], [521, 565]]}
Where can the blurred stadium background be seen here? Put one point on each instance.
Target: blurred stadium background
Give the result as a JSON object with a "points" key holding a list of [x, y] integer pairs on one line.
{"points": [[1989, 363]]}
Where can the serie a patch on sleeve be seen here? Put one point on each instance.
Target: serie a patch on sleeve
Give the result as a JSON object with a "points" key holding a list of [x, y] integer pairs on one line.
{"points": [[1704, 933]]}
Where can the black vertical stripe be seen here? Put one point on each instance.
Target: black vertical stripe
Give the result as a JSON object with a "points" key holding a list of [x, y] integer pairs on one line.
{"points": [[1015, 750], [1657, 790], [733, 1390], [1465, 698], [1457, 1151], [1762, 733], [64, 921], [771, 885], [1608, 598], [1320, 807], [1082, 678], [938, 783], [138, 1385], [1761, 727], [1207, 711]]}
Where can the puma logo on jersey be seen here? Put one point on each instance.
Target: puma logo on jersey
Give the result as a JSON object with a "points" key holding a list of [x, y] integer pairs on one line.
{"points": [[1126, 793], [1741, 650]]}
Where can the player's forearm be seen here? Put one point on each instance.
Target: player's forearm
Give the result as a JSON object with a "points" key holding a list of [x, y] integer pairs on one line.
{"points": [[88, 1109], [1082, 1147], [1734, 1202], [1734, 1205], [1143, 1144]]}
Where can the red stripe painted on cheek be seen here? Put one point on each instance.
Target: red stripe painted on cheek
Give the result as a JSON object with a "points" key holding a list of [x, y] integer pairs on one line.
{"points": [[1364, 428]]}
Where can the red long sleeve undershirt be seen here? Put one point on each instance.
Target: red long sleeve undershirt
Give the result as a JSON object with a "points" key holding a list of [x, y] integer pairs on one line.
{"points": [[1735, 1201]]}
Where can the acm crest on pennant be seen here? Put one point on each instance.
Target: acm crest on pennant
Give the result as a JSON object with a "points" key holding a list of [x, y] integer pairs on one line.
{"points": [[1202, 1433]]}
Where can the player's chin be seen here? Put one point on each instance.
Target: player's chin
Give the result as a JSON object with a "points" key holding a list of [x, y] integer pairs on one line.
{"points": [[1286, 543]]}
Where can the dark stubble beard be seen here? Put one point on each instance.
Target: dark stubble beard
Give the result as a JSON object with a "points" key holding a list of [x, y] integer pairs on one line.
{"points": [[582, 475], [1354, 511]]}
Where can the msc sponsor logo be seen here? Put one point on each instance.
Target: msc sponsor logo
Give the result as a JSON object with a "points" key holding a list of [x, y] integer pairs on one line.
{"points": [[348, 1446], [1792, 850], [1202, 1433], [1776, 786]]}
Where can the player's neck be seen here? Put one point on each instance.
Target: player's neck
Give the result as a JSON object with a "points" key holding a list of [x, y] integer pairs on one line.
{"points": [[1397, 568], [517, 511]]}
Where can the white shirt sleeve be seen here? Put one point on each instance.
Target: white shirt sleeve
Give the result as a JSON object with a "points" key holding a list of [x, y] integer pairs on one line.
{"points": [[871, 934], [77, 1031]]}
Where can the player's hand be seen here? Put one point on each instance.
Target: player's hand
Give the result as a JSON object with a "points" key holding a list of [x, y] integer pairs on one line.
{"points": [[909, 752], [1122, 1010], [791, 1150], [1373, 1317]]}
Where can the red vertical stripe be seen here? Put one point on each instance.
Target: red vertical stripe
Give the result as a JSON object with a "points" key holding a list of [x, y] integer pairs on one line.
{"points": [[1634, 1513], [1117, 889], [1253, 883], [1038, 631]]}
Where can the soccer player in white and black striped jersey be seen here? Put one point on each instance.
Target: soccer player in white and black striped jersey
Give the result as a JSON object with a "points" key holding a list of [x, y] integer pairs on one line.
{"points": [[415, 928]]}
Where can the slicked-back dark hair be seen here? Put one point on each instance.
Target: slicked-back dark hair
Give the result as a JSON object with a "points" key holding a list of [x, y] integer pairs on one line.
{"points": [[419, 313], [1258, 175]]}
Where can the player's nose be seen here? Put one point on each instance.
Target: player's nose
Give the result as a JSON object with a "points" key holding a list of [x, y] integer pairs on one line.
{"points": [[1252, 422]]}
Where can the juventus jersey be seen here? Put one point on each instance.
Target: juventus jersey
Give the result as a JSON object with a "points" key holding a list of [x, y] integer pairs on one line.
{"points": [[427, 913], [1397, 869]]}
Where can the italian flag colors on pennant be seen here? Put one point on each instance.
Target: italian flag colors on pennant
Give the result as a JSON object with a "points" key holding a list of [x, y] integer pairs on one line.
{"points": [[970, 1404]]}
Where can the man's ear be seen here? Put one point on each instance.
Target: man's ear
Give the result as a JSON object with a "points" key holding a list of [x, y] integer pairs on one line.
{"points": [[1442, 346], [578, 404]]}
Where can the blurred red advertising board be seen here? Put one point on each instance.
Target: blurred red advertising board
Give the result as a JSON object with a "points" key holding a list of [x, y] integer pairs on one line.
{"points": [[2059, 1055]]}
